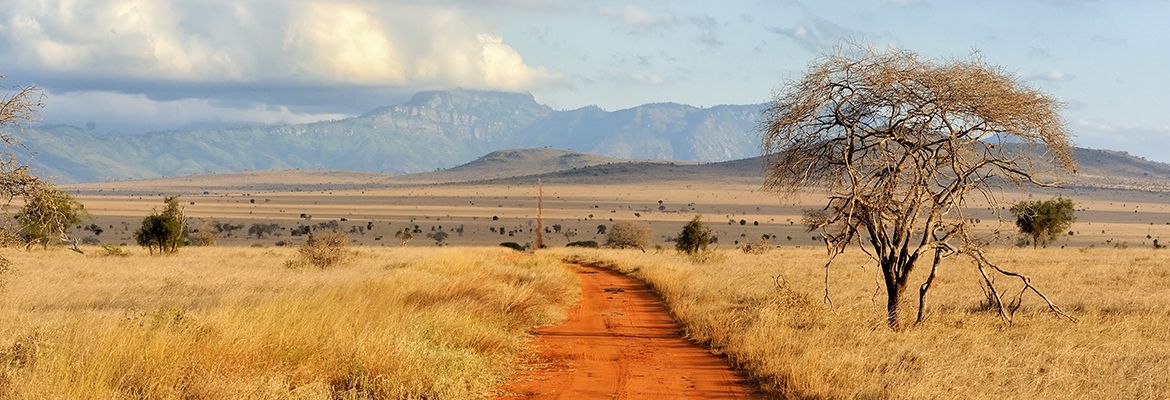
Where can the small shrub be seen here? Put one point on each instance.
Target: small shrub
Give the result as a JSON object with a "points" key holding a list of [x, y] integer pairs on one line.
{"points": [[694, 237], [513, 246], [755, 248], [110, 250], [624, 235], [322, 251], [203, 237], [440, 237], [583, 243]]}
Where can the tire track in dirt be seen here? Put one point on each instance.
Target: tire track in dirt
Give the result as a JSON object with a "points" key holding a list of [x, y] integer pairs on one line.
{"points": [[620, 342]]}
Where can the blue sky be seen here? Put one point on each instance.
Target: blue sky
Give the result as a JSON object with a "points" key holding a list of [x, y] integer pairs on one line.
{"points": [[135, 65]]}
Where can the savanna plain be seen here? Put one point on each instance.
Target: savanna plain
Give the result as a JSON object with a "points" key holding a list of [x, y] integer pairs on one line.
{"points": [[453, 318]]}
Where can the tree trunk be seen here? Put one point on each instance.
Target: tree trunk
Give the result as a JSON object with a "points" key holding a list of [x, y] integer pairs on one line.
{"points": [[893, 299], [894, 290], [1035, 242]]}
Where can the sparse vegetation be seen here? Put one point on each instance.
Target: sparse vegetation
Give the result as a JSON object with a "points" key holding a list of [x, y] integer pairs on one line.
{"points": [[259, 230], [205, 235], [584, 243], [440, 237], [513, 246]]}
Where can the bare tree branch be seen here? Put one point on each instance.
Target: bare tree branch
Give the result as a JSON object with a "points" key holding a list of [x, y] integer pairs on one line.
{"points": [[898, 143]]}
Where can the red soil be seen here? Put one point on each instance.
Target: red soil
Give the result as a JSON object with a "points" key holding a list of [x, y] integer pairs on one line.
{"points": [[619, 342]]}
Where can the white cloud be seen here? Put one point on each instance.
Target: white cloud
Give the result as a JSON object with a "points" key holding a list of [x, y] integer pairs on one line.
{"points": [[346, 43], [110, 108], [325, 42], [1050, 76], [638, 20]]}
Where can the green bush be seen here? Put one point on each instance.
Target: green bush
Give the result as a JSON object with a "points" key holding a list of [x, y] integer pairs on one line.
{"points": [[694, 237], [165, 231], [47, 214], [1044, 220]]}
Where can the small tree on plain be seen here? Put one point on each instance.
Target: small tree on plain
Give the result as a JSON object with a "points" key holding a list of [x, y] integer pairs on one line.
{"points": [[627, 234], [898, 142], [47, 215], [1044, 220], [694, 238], [165, 231], [404, 236], [16, 109]]}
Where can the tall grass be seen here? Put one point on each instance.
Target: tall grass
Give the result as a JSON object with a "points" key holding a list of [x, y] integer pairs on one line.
{"points": [[766, 312], [211, 323]]}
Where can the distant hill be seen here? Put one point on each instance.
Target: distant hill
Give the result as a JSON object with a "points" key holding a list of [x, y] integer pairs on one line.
{"points": [[1102, 169], [433, 130], [519, 162]]}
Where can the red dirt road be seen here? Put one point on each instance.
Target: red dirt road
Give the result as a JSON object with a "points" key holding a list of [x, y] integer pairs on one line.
{"points": [[619, 342]]}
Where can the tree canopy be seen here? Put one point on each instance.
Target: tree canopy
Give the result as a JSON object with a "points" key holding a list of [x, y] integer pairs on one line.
{"points": [[899, 142], [694, 238], [47, 215], [1044, 220], [165, 231]]}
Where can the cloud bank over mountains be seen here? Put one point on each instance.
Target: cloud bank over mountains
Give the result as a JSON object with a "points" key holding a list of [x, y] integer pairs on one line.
{"points": [[132, 66], [170, 46]]}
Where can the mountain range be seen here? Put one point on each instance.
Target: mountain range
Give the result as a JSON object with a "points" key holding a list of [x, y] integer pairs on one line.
{"points": [[443, 136], [1097, 169], [433, 130]]}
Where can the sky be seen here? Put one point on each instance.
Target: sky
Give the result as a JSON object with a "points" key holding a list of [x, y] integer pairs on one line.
{"points": [[141, 65]]}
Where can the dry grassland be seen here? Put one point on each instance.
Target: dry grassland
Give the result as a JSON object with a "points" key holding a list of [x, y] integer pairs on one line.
{"points": [[735, 208], [211, 323], [766, 312]]}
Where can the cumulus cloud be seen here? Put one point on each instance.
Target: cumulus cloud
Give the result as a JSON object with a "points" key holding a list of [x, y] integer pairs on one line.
{"points": [[385, 43], [110, 110]]}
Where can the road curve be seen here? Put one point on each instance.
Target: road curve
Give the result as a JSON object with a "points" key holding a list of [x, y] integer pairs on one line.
{"points": [[619, 342]]}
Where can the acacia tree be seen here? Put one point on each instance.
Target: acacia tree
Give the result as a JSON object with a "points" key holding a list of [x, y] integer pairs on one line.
{"points": [[16, 181], [1044, 220], [694, 237], [166, 230], [47, 215], [899, 142]]}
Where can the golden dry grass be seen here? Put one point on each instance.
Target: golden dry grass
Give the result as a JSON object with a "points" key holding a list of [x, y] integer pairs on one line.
{"points": [[797, 347], [213, 323]]}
